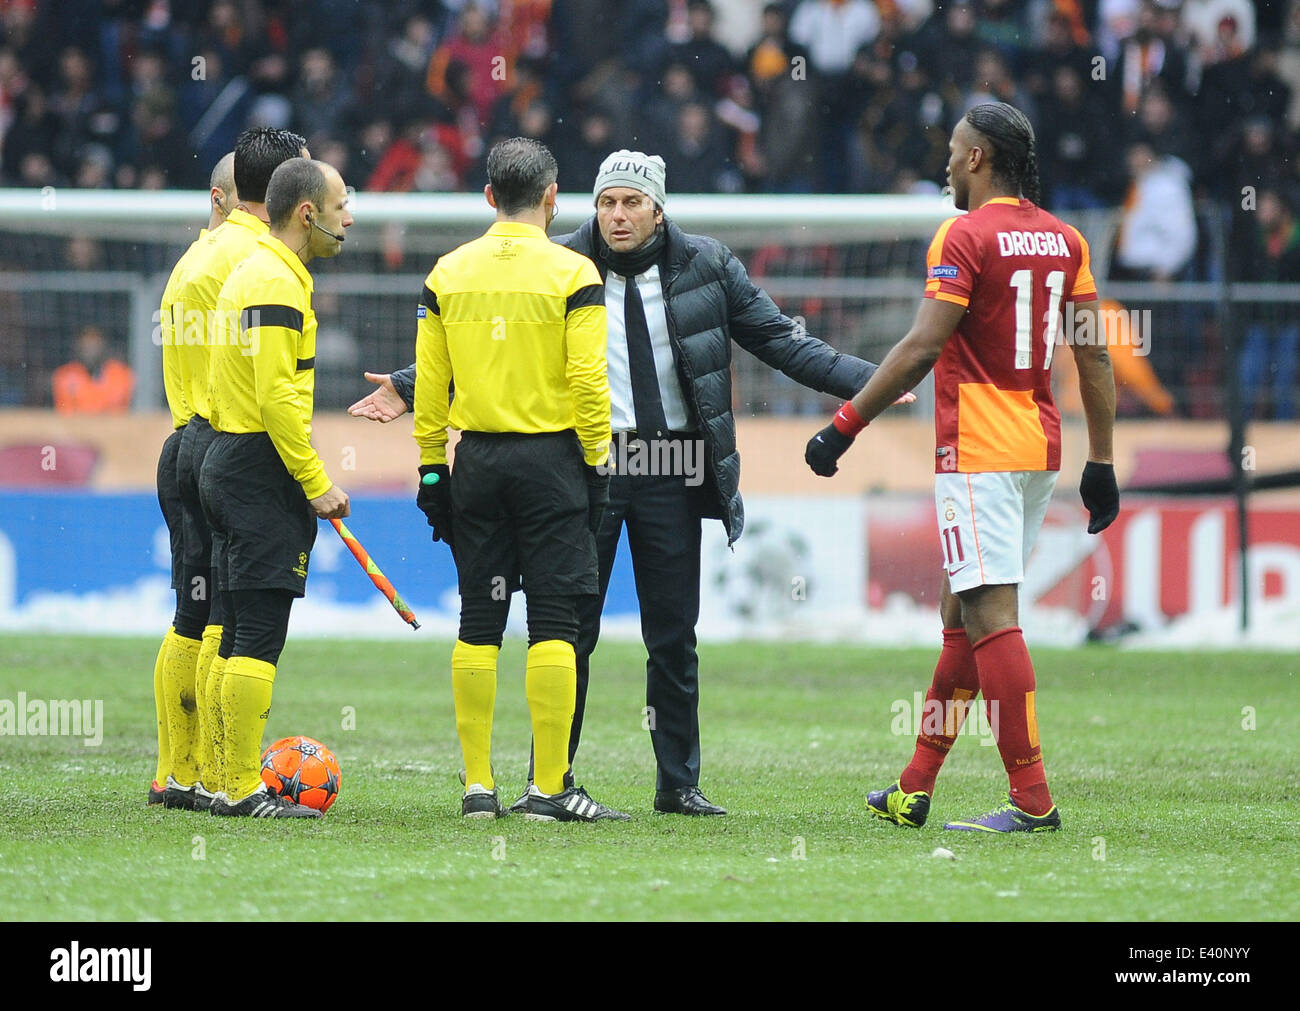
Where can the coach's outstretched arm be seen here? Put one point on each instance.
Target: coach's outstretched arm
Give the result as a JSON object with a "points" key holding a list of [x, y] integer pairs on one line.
{"points": [[1097, 488], [395, 396], [756, 324], [907, 364], [762, 329]]}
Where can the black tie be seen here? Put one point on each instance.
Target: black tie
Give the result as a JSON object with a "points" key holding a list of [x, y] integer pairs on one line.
{"points": [[646, 402]]}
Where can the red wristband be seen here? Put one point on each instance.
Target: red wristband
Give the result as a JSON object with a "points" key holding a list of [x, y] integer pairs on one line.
{"points": [[847, 421]]}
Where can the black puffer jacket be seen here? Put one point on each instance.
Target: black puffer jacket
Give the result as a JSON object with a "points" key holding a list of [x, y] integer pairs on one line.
{"points": [[711, 302]]}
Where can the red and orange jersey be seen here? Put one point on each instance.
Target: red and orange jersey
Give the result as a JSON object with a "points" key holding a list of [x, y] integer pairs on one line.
{"points": [[1012, 265]]}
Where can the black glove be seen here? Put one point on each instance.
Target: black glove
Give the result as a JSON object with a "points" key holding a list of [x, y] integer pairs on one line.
{"points": [[1100, 495], [434, 500], [824, 449], [597, 496]]}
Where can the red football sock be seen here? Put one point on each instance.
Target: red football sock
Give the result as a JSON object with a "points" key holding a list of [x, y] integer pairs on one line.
{"points": [[956, 680], [1007, 681]]}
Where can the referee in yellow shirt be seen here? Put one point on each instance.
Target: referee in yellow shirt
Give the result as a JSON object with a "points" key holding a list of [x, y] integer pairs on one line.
{"points": [[174, 670], [517, 325], [262, 483], [195, 718]]}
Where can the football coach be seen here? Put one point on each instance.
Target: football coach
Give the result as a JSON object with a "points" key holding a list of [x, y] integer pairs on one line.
{"points": [[674, 303]]}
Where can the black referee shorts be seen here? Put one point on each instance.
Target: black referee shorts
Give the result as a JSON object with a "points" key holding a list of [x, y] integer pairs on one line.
{"points": [[169, 500], [262, 527], [189, 461], [519, 512]]}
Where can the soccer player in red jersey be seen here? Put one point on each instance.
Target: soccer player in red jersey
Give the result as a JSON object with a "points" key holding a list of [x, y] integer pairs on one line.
{"points": [[988, 325]]}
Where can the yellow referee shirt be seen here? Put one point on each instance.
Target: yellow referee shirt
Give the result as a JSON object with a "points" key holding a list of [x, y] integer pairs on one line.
{"points": [[264, 360], [518, 323], [172, 332], [196, 298]]}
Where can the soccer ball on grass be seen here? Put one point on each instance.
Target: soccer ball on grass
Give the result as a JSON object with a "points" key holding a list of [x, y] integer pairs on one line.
{"points": [[302, 769]]}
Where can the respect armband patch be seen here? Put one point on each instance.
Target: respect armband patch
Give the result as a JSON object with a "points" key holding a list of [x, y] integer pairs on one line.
{"points": [[421, 311], [943, 272]]}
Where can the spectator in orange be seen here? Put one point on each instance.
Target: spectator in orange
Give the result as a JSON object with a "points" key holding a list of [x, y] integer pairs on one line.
{"points": [[93, 382]]}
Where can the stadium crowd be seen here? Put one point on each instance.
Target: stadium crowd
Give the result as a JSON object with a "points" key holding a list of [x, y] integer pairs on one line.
{"points": [[805, 95], [1161, 107]]}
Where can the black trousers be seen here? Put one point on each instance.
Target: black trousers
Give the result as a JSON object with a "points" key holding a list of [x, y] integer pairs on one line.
{"points": [[519, 509], [169, 501], [662, 514]]}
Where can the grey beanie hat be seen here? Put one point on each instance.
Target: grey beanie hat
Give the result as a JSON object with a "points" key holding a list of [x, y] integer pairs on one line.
{"points": [[635, 170]]}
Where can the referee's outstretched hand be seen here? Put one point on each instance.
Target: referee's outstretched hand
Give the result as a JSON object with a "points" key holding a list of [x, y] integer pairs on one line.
{"points": [[434, 499], [333, 505]]}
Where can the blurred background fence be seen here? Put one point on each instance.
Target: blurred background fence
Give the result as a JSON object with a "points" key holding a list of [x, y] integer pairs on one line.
{"points": [[849, 268]]}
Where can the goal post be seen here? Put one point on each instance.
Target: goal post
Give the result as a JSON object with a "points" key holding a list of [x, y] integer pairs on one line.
{"points": [[799, 218]]}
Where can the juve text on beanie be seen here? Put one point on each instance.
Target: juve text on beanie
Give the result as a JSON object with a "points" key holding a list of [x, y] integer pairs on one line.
{"points": [[635, 170]]}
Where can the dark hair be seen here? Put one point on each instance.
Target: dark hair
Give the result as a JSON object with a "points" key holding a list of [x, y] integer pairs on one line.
{"points": [[292, 182], [1014, 158], [519, 170], [258, 152]]}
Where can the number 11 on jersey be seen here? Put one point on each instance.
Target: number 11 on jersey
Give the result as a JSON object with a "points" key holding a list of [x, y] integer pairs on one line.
{"points": [[1023, 282]]}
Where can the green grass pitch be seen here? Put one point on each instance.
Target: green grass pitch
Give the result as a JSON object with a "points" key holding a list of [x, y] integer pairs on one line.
{"points": [[1172, 808]]}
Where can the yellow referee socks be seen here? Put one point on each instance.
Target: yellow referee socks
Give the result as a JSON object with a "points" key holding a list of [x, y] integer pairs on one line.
{"points": [[216, 772], [164, 765], [474, 689], [245, 705], [179, 660], [551, 684], [203, 749]]}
